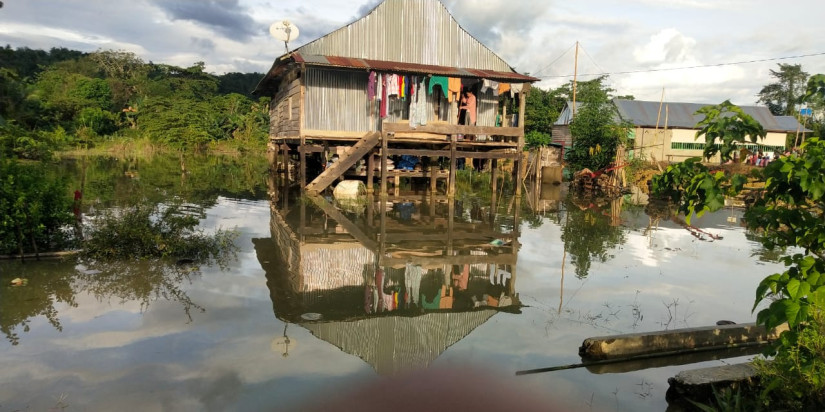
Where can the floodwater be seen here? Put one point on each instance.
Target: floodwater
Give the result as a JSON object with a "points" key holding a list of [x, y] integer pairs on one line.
{"points": [[322, 300]]}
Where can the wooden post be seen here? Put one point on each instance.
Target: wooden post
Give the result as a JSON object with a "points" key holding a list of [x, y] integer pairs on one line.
{"points": [[494, 188], [285, 157], [303, 156], [451, 185], [370, 172], [384, 165], [396, 186], [433, 175], [382, 229]]}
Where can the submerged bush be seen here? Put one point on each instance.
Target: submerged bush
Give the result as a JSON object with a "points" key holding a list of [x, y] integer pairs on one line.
{"points": [[154, 231], [34, 207]]}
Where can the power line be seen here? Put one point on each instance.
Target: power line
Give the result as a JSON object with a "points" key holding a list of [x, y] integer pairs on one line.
{"points": [[687, 67], [554, 61]]}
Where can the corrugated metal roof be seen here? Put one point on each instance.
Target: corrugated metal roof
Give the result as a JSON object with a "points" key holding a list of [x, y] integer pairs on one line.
{"points": [[403, 36], [566, 114], [683, 115], [791, 125], [400, 67], [408, 31]]}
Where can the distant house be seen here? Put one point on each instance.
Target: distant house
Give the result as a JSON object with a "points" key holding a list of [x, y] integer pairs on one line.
{"points": [[392, 78], [670, 134]]}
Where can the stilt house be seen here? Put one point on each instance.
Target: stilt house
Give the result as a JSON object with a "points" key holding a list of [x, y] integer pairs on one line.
{"points": [[390, 84]]}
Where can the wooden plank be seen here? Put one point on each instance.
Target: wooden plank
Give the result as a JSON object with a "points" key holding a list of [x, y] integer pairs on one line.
{"points": [[333, 134], [487, 155], [508, 259], [445, 129], [311, 148], [344, 163], [342, 220], [419, 152]]}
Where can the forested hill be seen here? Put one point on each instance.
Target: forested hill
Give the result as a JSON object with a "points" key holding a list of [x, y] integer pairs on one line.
{"points": [[61, 98]]}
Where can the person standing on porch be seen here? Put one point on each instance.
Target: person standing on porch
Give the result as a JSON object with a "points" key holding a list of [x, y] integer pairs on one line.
{"points": [[468, 105]]}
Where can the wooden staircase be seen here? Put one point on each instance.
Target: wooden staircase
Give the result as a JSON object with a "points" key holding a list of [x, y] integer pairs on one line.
{"points": [[343, 164]]}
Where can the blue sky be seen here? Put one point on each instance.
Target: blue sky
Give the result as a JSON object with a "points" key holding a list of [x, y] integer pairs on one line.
{"points": [[536, 37]]}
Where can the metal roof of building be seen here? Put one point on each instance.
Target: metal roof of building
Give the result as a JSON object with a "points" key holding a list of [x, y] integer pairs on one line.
{"points": [[399, 67], [791, 125], [431, 42], [683, 115]]}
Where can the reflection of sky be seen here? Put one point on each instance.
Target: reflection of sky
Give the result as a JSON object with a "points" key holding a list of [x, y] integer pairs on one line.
{"points": [[112, 354]]}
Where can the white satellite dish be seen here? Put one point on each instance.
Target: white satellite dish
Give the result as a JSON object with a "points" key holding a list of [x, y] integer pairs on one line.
{"points": [[284, 31]]}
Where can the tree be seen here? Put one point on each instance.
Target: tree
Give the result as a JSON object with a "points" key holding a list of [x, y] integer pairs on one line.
{"points": [[725, 126], [781, 97], [788, 213], [596, 131]]}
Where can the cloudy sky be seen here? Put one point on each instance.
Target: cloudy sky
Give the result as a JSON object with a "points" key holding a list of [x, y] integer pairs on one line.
{"points": [[534, 36]]}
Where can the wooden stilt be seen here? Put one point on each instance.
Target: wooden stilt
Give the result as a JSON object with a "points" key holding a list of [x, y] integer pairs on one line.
{"points": [[285, 161], [493, 188], [384, 166], [396, 186], [370, 173], [518, 177], [451, 187], [433, 171], [303, 160]]}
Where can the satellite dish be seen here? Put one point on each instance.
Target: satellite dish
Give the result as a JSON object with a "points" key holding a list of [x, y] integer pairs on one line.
{"points": [[284, 31]]}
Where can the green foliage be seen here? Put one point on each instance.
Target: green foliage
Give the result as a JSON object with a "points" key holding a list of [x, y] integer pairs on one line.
{"points": [[588, 233], [78, 98], [789, 213], [694, 188], [240, 83], [535, 138], [816, 88], [781, 97], [34, 208], [153, 231], [596, 136], [725, 125], [795, 378]]}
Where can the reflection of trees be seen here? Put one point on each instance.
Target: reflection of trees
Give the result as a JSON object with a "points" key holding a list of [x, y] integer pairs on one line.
{"points": [[762, 253], [194, 179], [142, 281], [47, 287], [590, 231]]}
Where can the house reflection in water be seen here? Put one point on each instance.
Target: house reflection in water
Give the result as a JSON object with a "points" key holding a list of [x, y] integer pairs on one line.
{"points": [[395, 282]]}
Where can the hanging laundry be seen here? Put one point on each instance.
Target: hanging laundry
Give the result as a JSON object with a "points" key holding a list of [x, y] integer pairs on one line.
{"points": [[439, 81], [503, 88], [412, 281], [383, 105], [402, 87], [421, 106], [461, 280], [446, 300], [435, 304], [371, 86], [453, 88], [392, 85], [515, 89], [489, 84]]}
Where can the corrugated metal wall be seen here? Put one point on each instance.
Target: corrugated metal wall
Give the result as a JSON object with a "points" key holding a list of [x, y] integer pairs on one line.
{"points": [[337, 100], [424, 33]]}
